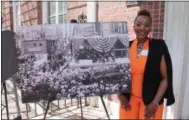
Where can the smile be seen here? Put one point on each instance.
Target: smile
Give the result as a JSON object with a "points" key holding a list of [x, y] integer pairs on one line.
{"points": [[142, 33]]}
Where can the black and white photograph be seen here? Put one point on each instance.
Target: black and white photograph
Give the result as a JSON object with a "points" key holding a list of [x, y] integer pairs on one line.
{"points": [[71, 60]]}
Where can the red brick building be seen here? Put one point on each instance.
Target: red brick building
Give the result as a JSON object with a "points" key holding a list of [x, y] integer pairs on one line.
{"points": [[31, 13]]}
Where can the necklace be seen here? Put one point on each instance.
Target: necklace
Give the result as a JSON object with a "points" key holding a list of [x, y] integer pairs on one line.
{"points": [[139, 48]]}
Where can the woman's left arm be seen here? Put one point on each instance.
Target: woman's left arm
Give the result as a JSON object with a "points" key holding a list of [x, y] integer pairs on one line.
{"points": [[152, 107], [164, 82]]}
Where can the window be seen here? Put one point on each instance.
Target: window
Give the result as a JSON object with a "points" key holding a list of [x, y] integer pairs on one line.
{"points": [[119, 50], [57, 12], [119, 27], [132, 3]]}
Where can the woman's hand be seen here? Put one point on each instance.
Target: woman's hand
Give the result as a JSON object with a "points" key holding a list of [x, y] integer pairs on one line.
{"points": [[124, 102], [150, 110]]}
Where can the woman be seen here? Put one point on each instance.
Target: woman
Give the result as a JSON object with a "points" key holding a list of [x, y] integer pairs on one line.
{"points": [[151, 71]]}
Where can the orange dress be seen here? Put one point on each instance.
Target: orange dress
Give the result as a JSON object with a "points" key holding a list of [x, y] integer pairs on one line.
{"points": [[137, 71]]}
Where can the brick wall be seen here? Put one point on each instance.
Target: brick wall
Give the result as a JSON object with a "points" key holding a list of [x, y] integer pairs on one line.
{"points": [[75, 9], [120, 11], [131, 13], [157, 9], [111, 11], [31, 13], [7, 18]]}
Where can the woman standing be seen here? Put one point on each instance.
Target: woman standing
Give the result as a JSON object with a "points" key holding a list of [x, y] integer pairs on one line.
{"points": [[151, 71]]}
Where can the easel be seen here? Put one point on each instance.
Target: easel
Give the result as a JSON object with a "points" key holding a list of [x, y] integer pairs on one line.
{"points": [[80, 102], [6, 101]]}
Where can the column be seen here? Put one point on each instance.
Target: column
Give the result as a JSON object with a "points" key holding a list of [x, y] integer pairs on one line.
{"points": [[44, 12], [91, 11], [176, 36]]}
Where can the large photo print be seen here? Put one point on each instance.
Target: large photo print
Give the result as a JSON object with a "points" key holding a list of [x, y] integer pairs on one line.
{"points": [[73, 60]]}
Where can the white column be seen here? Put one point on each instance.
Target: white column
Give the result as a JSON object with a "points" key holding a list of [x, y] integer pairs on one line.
{"points": [[91, 11], [185, 86], [44, 12], [16, 14], [176, 36], [185, 106]]}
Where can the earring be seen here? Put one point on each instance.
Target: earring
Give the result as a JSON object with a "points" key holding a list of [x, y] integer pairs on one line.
{"points": [[150, 35]]}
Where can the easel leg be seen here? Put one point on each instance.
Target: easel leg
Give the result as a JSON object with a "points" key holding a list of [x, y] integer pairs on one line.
{"points": [[6, 100], [17, 101], [71, 103], [35, 109], [48, 104], [58, 104], [65, 104], [105, 108], [27, 111], [81, 108], [86, 104], [77, 102]]}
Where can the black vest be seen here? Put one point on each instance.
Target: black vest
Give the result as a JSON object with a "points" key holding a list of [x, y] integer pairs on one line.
{"points": [[152, 76]]}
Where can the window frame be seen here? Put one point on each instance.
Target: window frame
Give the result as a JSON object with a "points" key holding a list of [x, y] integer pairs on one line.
{"points": [[57, 13], [119, 49], [132, 3]]}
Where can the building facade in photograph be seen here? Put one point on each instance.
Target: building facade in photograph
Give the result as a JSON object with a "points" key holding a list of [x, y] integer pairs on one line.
{"points": [[169, 22]]}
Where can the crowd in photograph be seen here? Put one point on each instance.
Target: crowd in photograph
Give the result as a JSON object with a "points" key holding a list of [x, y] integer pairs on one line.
{"points": [[52, 80]]}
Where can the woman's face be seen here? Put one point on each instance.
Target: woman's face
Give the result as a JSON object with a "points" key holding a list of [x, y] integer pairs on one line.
{"points": [[142, 27]]}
